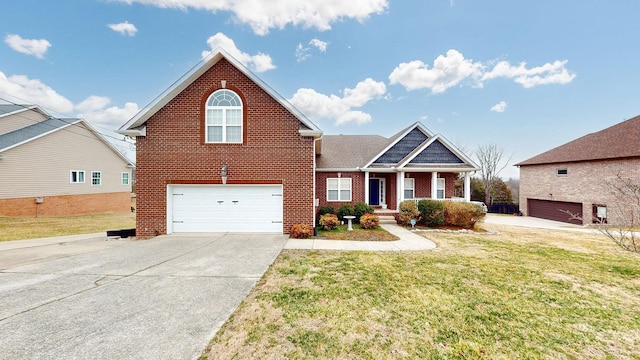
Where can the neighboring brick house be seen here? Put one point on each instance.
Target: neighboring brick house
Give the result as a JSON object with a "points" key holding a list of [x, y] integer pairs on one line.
{"points": [[55, 167], [221, 151], [577, 176]]}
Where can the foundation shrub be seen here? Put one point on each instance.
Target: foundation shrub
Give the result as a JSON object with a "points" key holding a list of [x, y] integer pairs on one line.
{"points": [[408, 211], [360, 209], [344, 210], [369, 221], [327, 209], [432, 212], [329, 221], [301, 231], [462, 214]]}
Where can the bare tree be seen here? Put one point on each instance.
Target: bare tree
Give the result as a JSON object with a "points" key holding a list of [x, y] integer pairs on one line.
{"points": [[625, 212], [490, 158]]}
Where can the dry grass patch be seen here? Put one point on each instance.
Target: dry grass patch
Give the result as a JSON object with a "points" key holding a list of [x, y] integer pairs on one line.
{"points": [[358, 234], [18, 228], [541, 294]]}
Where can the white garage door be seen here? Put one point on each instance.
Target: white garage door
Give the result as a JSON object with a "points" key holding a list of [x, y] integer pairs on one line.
{"points": [[224, 208]]}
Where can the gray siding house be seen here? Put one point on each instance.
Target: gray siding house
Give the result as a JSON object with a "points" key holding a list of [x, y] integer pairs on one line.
{"points": [[51, 166]]}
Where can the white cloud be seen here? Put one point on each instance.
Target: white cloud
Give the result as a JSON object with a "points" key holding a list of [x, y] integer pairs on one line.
{"points": [[319, 44], [499, 107], [35, 47], [124, 28], [447, 71], [339, 109], [94, 109], [302, 52], [262, 16], [453, 69], [20, 89], [549, 73], [258, 63]]}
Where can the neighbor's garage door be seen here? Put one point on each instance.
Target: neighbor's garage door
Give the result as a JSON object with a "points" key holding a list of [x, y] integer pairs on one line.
{"points": [[225, 208], [550, 210]]}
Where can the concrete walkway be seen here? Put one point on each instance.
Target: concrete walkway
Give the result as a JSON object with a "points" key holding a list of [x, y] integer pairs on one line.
{"points": [[409, 241]]}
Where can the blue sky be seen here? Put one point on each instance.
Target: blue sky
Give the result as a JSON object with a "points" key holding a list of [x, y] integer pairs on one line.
{"points": [[528, 76]]}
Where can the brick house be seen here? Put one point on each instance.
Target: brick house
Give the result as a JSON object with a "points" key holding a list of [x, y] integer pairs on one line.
{"points": [[222, 151], [577, 176], [57, 167]]}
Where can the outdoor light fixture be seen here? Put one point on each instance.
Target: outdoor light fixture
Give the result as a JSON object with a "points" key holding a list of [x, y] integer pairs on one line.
{"points": [[223, 172]]}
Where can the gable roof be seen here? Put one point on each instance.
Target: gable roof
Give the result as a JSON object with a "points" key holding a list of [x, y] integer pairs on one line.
{"points": [[618, 141], [32, 132], [411, 148], [10, 109], [136, 125]]}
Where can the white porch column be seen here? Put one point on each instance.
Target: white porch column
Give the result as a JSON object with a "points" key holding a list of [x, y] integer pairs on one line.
{"points": [[366, 187], [400, 187], [467, 187], [434, 185]]}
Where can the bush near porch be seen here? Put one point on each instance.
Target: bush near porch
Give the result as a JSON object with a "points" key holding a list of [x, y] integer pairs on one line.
{"points": [[434, 213]]}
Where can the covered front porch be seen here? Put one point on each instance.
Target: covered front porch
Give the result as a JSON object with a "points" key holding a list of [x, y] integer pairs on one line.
{"points": [[385, 189]]}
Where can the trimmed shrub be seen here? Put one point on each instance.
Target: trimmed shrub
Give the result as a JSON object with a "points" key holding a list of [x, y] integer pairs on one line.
{"points": [[360, 209], [408, 211], [369, 221], [432, 212], [301, 231], [462, 214], [329, 221], [344, 210], [328, 209]]}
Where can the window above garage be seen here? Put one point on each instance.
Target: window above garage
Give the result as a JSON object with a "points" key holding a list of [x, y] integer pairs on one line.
{"points": [[562, 172], [224, 117]]}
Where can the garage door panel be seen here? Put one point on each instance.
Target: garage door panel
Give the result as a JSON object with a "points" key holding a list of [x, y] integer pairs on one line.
{"points": [[554, 210], [227, 208]]}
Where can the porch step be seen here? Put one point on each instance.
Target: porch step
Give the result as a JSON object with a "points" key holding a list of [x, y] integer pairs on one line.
{"points": [[387, 219]]}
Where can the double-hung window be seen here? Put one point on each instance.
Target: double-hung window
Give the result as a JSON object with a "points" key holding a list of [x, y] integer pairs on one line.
{"points": [[409, 189], [125, 178], [223, 117], [339, 189], [440, 188], [76, 176], [96, 178]]}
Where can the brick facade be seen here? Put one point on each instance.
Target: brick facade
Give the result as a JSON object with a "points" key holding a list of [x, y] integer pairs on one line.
{"points": [[174, 150], [585, 182], [67, 205]]}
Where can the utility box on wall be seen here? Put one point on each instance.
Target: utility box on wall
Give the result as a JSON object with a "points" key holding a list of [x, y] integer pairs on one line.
{"points": [[39, 200]]}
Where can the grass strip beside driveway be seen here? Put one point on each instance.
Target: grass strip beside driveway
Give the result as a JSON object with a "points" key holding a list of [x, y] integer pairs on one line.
{"points": [[523, 293]]}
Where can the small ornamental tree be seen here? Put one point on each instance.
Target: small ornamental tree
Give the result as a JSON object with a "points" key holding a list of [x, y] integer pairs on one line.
{"points": [[408, 211]]}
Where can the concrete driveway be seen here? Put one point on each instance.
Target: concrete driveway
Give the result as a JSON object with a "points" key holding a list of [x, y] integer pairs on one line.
{"points": [[162, 298]]}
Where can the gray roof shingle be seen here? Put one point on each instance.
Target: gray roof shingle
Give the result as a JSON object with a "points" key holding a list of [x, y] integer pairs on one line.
{"points": [[32, 131]]}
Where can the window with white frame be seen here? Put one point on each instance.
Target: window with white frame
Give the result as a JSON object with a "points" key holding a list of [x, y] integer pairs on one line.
{"points": [[125, 178], [409, 188], [76, 176], [96, 178], [223, 117], [440, 188], [339, 189]]}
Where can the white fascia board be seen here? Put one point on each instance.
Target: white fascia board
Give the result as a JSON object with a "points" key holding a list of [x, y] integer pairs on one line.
{"points": [[140, 131], [457, 152], [312, 133]]}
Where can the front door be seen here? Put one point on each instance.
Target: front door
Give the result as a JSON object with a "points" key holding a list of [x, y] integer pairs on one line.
{"points": [[376, 192]]}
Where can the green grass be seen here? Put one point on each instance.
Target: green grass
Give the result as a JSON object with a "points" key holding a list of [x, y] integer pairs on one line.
{"points": [[521, 294], [18, 228]]}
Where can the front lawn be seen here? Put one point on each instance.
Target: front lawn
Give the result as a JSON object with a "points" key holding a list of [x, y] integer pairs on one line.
{"points": [[519, 294]]}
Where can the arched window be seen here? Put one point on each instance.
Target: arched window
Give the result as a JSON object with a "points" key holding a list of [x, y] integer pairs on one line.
{"points": [[223, 117]]}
